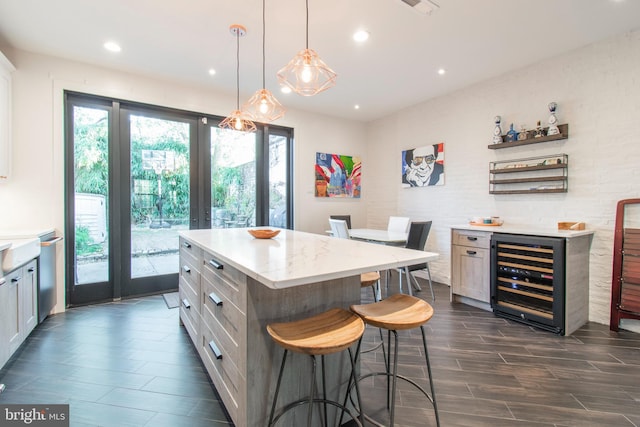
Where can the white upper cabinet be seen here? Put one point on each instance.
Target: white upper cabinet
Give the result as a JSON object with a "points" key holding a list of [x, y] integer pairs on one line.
{"points": [[6, 68]]}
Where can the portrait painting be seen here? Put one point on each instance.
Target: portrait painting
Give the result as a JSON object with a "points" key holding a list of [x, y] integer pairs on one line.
{"points": [[423, 166], [337, 175]]}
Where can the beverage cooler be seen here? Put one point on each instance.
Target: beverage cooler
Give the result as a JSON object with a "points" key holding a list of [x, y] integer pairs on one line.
{"points": [[528, 280]]}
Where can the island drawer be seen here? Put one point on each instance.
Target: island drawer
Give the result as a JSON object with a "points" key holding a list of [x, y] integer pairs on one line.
{"points": [[190, 253], [226, 321], [189, 316], [190, 277], [230, 385], [230, 282], [474, 239], [229, 342]]}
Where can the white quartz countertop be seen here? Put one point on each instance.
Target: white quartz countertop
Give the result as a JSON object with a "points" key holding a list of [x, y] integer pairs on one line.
{"points": [[295, 258], [23, 233], [524, 229]]}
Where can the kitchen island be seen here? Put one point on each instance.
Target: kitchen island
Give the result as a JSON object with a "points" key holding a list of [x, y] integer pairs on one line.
{"points": [[232, 285]]}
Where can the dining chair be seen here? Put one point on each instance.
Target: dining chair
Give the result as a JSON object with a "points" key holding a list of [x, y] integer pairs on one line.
{"points": [[417, 239], [343, 217], [398, 224], [339, 228]]}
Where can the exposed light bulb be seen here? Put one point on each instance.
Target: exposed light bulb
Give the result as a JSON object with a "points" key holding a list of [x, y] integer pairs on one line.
{"points": [[238, 124], [264, 107], [306, 74]]}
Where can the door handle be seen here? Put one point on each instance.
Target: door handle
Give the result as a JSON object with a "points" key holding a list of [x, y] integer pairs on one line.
{"points": [[215, 299], [471, 252], [215, 264], [16, 279], [473, 239], [215, 349], [186, 304], [186, 269], [187, 245]]}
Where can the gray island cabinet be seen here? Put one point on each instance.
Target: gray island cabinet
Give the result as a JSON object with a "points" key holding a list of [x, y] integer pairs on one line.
{"points": [[232, 285]]}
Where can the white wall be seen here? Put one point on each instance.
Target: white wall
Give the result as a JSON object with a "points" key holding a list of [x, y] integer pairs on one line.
{"points": [[34, 196], [597, 89]]}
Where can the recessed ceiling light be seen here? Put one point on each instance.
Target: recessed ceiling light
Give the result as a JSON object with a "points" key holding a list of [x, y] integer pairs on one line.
{"points": [[285, 89], [112, 47], [442, 71], [360, 36], [357, 107], [212, 72]]}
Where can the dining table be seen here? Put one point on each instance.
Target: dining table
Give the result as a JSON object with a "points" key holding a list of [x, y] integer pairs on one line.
{"points": [[374, 235]]}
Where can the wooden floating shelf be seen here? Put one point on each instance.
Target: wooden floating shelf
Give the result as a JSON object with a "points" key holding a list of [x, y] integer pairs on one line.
{"points": [[564, 134], [546, 190], [529, 168]]}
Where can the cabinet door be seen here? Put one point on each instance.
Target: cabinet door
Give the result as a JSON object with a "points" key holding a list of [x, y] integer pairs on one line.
{"points": [[29, 294], [11, 303], [470, 272], [5, 315], [5, 117]]}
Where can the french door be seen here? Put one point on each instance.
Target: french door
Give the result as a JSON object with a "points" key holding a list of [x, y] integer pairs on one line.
{"points": [[136, 175]]}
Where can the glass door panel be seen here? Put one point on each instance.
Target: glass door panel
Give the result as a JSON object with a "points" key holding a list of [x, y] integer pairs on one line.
{"points": [[233, 178], [278, 168], [159, 193], [91, 194]]}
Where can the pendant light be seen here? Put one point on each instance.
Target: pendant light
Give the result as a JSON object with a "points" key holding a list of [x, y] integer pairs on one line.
{"points": [[306, 74], [263, 106], [238, 120]]}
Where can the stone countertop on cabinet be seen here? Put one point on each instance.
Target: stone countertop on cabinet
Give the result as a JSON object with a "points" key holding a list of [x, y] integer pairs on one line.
{"points": [[24, 233], [294, 258], [525, 230]]}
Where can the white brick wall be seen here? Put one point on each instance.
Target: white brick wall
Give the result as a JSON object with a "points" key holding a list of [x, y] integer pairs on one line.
{"points": [[597, 89]]}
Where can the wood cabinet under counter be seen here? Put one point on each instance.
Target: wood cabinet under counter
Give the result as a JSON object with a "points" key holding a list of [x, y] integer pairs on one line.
{"points": [[245, 283], [474, 264]]}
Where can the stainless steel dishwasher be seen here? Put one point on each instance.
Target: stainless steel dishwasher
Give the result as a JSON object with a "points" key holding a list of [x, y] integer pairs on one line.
{"points": [[47, 275]]}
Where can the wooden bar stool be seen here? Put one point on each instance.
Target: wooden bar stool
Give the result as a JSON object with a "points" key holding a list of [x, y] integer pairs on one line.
{"points": [[372, 280], [399, 312], [329, 332]]}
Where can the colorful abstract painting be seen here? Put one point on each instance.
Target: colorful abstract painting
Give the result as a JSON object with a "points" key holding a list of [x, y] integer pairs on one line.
{"points": [[423, 166], [337, 175]]}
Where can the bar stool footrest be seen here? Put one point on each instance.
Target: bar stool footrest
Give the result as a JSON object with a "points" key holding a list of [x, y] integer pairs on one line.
{"points": [[387, 374], [301, 402]]}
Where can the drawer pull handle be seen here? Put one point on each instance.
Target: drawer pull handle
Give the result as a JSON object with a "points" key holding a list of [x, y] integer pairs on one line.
{"points": [[31, 270], [215, 264], [471, 252], [186, 269], [473, 239], [215, 299], [216, 351], [187, 245], [3, 281], [16, 279], [186, 304]]}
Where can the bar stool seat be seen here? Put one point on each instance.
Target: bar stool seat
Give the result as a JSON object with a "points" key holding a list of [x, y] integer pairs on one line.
{"points": [[326, 333], [398, 312]]}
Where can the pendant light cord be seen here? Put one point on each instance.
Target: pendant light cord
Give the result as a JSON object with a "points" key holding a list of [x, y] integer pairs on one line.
{"points": [[263, 44], [237, 69], [307, 1]]}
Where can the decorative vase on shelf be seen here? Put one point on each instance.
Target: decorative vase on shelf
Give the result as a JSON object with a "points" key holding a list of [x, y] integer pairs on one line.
{"points": [[522, 135], [497, 131], [539, 132], [512, 135], [553, 120]]}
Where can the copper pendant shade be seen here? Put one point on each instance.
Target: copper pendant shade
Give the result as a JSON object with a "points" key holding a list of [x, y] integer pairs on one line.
{"points": [[306, 74], [238, 120], [263, 106]]}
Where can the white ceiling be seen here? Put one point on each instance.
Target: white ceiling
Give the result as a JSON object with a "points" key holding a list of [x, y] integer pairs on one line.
{"points": [[396, 68]]}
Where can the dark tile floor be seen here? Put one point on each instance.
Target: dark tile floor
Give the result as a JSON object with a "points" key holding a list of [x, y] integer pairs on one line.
{"points": [[130, 364]]}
